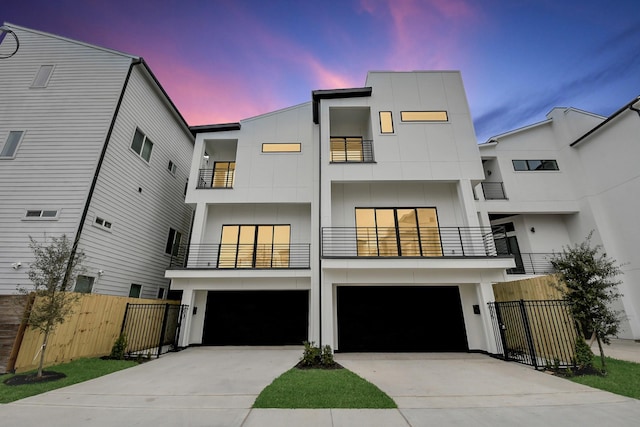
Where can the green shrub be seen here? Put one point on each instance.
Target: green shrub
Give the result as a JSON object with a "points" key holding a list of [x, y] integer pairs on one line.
{"points": [[119, 347], [326, 357], [311, 354], [584, 355]]}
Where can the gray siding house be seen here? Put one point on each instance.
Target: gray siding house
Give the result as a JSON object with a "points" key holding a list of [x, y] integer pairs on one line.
{"points": [[92, 147]]}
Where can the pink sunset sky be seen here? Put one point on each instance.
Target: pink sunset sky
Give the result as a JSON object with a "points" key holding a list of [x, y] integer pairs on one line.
{"points": [[223, 61]]}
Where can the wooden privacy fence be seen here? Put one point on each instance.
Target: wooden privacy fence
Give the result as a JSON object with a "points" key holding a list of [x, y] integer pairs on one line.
{"points": [[534, 289], [89, 332]]}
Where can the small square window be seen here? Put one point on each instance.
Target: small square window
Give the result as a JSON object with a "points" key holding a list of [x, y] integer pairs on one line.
{"points": [[11, 144], [142, 145], [520, 165], [43, 76], [161, 293], [135, 291], [102, 223], [84, 284], [172, 167]]}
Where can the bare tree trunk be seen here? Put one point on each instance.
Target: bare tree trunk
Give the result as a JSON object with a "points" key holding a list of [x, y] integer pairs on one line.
{"points": [[44, 347], [601, 353]]}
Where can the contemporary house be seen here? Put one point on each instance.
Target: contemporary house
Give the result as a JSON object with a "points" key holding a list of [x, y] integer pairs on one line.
{"points": [[349, 220], [552, 183], [92, 147]]}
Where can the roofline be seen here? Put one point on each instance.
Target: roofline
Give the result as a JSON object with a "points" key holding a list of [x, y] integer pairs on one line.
{"points": [[317, 95], [520, 129], [221, 127], [629, 105]]}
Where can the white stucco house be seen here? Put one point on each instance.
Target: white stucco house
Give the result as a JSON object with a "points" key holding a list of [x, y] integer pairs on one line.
{"points": [[551, 183], [349, 220], [92, 147]]}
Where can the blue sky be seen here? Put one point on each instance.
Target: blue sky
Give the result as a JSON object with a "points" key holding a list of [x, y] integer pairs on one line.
{"points": [[223, 61]]}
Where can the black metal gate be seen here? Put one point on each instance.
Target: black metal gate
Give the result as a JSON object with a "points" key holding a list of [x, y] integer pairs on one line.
{"points": [[152, 329], [537, 333]]}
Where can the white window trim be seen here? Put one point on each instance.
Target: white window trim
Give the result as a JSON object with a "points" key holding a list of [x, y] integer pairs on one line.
{"points": [[141, 290], [172, 170], [139, 155], [40, 217], [96, 223], [15, 152]]}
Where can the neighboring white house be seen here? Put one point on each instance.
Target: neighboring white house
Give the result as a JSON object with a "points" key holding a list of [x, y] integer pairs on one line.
{"points": [[92, 147], [349, 221], [551, 183]]}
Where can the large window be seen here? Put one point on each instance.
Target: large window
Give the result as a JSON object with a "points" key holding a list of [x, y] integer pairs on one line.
{"points": [[11, 144], [142, 145], [398, 232], [254, 246], [350, 149], [424, 116], [535, 165], [223, 173]]}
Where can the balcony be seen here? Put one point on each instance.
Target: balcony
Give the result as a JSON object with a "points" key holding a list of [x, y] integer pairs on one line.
{"points": [[241, 256], [411, 242], [493, 191], [351, 150], [532, 263], [219, 177]]}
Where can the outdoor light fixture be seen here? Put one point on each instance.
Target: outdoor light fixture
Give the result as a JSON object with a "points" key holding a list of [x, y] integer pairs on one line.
{"points": [[100, 272], [533, 229], [16, 265]]}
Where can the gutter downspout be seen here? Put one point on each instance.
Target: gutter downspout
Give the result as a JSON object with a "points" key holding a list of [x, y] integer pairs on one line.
{"points": [[85, 211], [634, 109], [319, 230]]}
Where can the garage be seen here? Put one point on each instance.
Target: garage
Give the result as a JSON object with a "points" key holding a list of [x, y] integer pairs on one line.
{"points": [[256, 318], [400, 319]]}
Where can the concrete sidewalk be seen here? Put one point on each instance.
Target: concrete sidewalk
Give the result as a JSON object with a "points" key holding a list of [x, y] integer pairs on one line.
{"points": [[620, 349], [216, 386]]}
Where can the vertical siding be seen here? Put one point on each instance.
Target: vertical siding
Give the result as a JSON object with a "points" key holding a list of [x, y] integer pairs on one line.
{"points": [[133, 250], [65, 126]]}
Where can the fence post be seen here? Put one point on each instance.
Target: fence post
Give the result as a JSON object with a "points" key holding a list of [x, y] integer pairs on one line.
{"points": [[162, 330], [502, 330], [124, 319], [527, 331]]}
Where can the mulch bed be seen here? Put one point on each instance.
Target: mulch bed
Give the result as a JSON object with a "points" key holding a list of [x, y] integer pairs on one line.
{"points": [[300, 365], [33, 379]]}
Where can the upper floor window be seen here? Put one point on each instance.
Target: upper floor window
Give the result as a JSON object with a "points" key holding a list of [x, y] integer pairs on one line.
{"points": [[42, 214], [223, 174], [535, 165], [43, 76], [84, 284], [386, 122], [350, 149], [102, 223], [135, 291], [173, 242], [142, 145], [292, 147], [11, 144], [398, 232], [424, 116], [171, 167], [254, 246]]}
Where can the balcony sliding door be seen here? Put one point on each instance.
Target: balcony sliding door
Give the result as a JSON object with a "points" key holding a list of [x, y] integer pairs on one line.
{"points": [[254, 246]]}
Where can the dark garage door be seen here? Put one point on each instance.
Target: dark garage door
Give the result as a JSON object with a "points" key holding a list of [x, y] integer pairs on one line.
{"points": [[400, 318], [256, 318]]}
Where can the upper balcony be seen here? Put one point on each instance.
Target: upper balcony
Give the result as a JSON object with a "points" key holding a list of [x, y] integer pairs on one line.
{"points": [[408, 242], [493, 191], [351, 149], [532, 263]]}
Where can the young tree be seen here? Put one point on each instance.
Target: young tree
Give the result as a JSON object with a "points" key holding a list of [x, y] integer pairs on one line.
{"points": [[589, 276], [53, 273]]}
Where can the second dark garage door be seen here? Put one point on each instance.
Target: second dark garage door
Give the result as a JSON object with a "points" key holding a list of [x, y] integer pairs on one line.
{"points": [[256, 318], [400, 319]]}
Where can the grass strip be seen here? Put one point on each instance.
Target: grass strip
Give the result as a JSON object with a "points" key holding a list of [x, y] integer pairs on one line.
{"points": [[77, 371], [322, 388], [622, 378]]}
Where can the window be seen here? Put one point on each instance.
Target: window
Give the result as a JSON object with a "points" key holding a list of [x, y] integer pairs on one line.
{"points": [[43, 76], [84, 284], [223, 173], [173, 242], [350, 149], [293, 147], [535, 165], [254, 246], [386, 122], [11, 144], [424, 116], [135, 291], [398, 232], [161, 292], [37, 214], [102, 223], [172, 167], [186, 186], [142, 145]]}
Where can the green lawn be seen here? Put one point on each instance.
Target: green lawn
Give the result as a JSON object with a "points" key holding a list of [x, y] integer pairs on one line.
{"points": [[322, 388], [622, 378], [76, 372]]}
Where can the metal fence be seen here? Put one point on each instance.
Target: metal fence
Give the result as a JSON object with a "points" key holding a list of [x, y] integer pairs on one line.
{"points": [[537, 333], [152, 329], [242, 256]]}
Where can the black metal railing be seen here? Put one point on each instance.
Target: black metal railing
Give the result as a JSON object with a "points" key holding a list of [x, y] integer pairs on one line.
{"points": [[541, 334], [215, 178], [242, 256], [152, 329], [351, 150], [532, 263], [493, 191], [376, 242]]}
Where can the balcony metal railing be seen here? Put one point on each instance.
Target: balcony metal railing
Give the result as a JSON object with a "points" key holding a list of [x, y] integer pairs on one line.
{"points": [[423, 242], [532, 263], [351, 150], [493, 191], [242, 256], [223, 178]]}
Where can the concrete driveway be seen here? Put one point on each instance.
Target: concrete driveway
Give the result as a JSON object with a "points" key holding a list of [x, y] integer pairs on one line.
{"points": [[216, 386]]}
